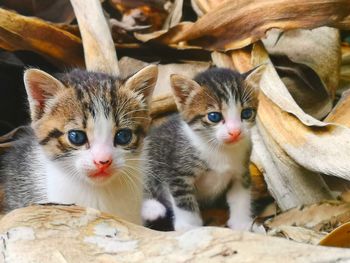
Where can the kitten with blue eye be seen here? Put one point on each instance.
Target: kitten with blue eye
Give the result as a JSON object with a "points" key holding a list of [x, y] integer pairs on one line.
{"points": [[203, 152], [85, 142]]}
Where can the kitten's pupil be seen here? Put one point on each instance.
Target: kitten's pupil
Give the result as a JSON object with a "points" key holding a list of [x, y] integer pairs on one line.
{"points": [[77, 137], [246, 114], [214, 117], [123, 137]]}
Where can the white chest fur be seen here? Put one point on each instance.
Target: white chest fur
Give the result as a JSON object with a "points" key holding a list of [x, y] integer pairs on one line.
{"points": [[116, 198], [225, 164]]}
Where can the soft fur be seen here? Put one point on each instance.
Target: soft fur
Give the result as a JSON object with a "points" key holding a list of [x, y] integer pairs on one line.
{"points": [[189, 160], [45, 166]]}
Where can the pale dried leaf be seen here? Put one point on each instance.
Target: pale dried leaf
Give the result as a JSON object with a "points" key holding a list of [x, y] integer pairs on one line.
{"points": [[99, 50], [298, 234], [316, 145], [202, 7], [323, 217], [341, 113], [48, 233], [175, 14], [318, 49]]}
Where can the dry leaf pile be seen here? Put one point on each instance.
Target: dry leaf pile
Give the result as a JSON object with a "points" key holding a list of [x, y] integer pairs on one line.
{"points": [[301, 154]]}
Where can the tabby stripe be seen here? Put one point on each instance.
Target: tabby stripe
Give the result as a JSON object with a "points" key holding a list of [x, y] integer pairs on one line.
{"points": [[54, 134], [186, 204], [195, 119], [64, 148], [182, 192], [113, 100]]}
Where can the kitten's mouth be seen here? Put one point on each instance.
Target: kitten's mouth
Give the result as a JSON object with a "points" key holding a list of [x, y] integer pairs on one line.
{"points": [[232, 140], [100, 174]]}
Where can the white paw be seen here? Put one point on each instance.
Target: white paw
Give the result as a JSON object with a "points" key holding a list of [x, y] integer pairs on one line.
{"points": [[182, 225], [258, 229], [245, 225], [187, 220], [152, 210], [240, 224]]}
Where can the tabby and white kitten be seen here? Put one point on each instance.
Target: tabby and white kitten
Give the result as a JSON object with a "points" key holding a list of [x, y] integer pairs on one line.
{"points": [[85, 142], [197, 156]]}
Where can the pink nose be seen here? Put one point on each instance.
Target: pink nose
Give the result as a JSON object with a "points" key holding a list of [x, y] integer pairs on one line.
{"points": [[234, 134], [103, 164]]}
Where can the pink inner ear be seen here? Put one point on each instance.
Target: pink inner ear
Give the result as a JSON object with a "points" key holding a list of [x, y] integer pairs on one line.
{"points": [[38, 95]]}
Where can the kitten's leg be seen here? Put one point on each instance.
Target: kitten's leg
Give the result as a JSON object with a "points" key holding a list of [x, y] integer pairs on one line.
{"points": [[152, 209], [185, 206], [239, 201]]}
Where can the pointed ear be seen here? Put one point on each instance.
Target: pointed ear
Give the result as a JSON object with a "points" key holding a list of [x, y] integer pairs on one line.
{"points": [[144, 81], [182, 87], [253, 76], [40, 86]]}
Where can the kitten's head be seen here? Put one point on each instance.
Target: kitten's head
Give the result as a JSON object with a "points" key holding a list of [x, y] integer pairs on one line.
{"points": [[219, 104], [91, 125]]}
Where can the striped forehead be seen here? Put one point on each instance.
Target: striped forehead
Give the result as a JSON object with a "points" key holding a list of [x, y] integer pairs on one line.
{"points": [[224, 85], [97, 99]]}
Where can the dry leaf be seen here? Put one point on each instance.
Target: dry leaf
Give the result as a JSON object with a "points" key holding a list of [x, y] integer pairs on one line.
{"points": [[305, 86], [316, 145], [142, 12], [323, 217], [6, 139], [339, 237], [57, 11], [26, 33], [75, 234], [99, 49], [175, 14], [298, 234], [202, 7], [318, 49], [210, 31], [345, 67], [341, 113]]}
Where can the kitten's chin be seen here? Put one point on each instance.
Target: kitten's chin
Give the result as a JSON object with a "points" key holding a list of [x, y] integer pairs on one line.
{"points": [[100, 177], [232, 143]]}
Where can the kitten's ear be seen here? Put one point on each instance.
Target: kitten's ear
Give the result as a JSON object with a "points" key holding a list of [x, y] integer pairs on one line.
{"points": [[39, 86], [144, 81], [253, 77], [182, 87]]}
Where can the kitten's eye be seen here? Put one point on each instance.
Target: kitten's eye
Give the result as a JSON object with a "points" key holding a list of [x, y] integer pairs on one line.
{"points": [[77, 137], [214, 117], [247, 114], [123, 137]]}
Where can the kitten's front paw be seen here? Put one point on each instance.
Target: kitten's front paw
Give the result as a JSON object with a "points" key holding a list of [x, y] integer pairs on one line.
{"points": [[190, 221], [240, 224], [152, 210]]}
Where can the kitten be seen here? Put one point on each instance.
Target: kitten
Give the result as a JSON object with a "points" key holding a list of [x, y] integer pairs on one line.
{"points": [[85, 143], [203, 152]]}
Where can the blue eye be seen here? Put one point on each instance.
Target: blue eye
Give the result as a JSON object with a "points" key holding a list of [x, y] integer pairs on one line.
{"points": [[215, 117], [123, 137], [247, 114], [77, 137]]}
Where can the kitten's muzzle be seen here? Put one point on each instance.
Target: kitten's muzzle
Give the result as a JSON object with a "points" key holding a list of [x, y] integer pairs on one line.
{"points": [[103, 164], [234, 136], [101, 169]]}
